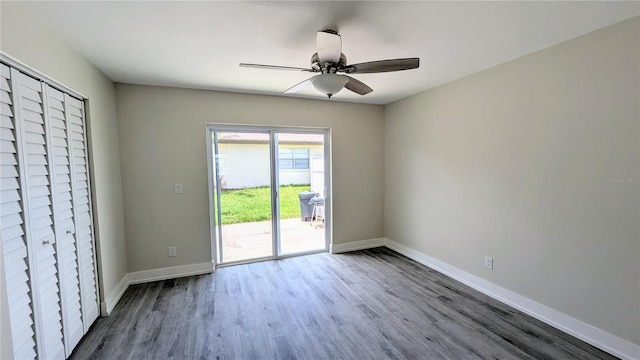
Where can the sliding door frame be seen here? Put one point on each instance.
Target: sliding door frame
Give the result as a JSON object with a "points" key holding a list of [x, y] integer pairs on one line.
{"points": [[214, 193]]}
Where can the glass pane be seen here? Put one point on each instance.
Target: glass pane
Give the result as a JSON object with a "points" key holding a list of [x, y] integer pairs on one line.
{"points": [[302, 163], [244, 182], [286, 164], [301, 220], [301, 153], [285, 153]]}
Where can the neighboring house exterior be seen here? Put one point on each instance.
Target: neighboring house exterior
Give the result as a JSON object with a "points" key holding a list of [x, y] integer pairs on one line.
{"points": [[244, 160]]}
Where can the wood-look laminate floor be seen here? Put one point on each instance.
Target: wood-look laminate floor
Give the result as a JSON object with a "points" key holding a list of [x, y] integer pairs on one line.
{"points": [[370, 304]]}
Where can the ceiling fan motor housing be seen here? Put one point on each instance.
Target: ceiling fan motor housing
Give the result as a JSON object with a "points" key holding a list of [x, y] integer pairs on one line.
{"points": [[328, 67]]}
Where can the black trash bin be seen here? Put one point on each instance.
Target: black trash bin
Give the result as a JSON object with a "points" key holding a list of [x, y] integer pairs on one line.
{"points": [[305, 208]]}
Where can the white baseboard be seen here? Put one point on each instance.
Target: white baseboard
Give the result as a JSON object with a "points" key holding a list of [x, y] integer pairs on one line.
{"points": [[173, 272], [601, 339], [357, 245], [112, 299]]}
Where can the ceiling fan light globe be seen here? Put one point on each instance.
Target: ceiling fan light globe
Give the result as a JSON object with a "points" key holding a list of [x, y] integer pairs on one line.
{"points": [[329, 84]]}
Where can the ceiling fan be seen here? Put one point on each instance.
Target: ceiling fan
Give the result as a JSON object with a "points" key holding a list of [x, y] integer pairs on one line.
{"points": [[331, 64]]}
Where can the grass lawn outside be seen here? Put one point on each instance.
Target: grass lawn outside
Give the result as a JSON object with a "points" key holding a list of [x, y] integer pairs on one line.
{"points": [[254, 204]]}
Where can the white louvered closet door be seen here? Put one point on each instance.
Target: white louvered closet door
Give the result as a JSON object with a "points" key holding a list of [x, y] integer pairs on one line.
{"points": [[40, 230], [82, 209], [46, 220], [64, 219], [12, 221]]}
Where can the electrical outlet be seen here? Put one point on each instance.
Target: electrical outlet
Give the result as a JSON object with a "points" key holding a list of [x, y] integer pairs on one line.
{"points": [[172, 251], [178, 188], [488, 262]]}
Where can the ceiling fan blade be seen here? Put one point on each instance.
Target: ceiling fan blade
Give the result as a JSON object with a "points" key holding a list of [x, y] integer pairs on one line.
{"points": [[329, 45], [274, 67], [383, 66], [357, 86], [299, 86]]}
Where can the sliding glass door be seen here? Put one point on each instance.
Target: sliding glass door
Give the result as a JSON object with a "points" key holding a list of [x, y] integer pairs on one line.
{"points": [[269, 193], [243, 196], [302, 192]]}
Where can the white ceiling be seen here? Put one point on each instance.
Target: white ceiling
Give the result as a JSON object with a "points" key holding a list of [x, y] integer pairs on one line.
{"points": [[199, 44]]}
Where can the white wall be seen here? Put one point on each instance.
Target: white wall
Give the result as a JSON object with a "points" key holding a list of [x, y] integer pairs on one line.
{"points": [[295, 177], [162, 141], [25, 38], [247, 165], [534, 162], [243, 166]]}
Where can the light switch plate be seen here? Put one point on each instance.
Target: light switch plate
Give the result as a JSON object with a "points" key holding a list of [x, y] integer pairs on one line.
{"points": [[488, 262], [178, 188]]}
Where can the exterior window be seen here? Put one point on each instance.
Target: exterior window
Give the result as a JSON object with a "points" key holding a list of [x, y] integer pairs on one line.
{"points": [[293, 159]]}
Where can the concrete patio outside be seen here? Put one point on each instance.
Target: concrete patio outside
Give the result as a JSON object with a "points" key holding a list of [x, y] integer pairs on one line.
{"points": [[245, 241]]}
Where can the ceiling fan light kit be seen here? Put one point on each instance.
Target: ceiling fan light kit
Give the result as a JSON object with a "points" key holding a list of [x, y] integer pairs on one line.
{"points": [[329, 61], [329, 84]]}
